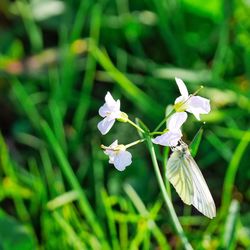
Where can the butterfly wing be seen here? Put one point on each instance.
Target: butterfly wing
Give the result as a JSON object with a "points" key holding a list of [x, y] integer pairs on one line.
{"points": [[202, 198], [180, 177], [189, 183]]}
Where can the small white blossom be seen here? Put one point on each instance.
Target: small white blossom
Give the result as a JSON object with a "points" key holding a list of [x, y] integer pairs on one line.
{"points": [[173, 134], [193, 104], [118, 155], [110, 111]]}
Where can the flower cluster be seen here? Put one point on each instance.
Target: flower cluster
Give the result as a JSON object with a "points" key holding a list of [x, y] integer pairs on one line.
{"points": [[110, 111], [196, 105]]}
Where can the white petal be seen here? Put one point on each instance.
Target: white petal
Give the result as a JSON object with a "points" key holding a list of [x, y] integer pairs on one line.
{"points": [[176, 120], [105, 125], [110, 106], [182, 87], [180, 99], [111, 155], [169, 139], [114, 144], [110, 148], [112, 158], [110, 151], [104, 110], [201, 102], [109, 99], [114, 115], [118, 105], [196, 113], [111, 103], [122, 160], [198, 105]]}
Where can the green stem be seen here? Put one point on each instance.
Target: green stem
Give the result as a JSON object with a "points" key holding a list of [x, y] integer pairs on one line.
{"points": [[164, 120], [166, 181], [134, 143], [157, 133], [167, 200], [136, 126]]}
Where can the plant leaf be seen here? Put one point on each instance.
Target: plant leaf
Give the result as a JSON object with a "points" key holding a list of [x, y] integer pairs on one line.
{"points": [[194, 145]]}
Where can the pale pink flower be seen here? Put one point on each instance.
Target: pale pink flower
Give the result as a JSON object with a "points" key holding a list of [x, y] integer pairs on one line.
{"points": [[118, 155], [110, 111], [193, 104], [173, 132]]}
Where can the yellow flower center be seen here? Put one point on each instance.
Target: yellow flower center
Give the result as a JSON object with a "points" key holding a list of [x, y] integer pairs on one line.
{"points": [[180, 106]]}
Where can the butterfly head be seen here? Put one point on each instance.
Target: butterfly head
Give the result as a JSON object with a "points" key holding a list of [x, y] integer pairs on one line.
{"points": [[182, 147]]}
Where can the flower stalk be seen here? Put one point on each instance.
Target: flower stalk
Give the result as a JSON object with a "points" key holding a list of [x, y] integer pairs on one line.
{"points": [[136, 126], [134, 143], [167, 200]]}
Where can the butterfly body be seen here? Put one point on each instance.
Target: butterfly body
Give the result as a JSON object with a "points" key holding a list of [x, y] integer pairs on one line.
{"points": [[187, 179]]}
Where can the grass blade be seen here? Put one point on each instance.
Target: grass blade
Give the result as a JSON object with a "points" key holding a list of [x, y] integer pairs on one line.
{"points": [[144, 102], [229, 236], [231, 172], [72, 180]]}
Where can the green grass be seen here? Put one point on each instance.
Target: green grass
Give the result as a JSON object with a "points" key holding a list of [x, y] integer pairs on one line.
{"points": [[57, 189]]}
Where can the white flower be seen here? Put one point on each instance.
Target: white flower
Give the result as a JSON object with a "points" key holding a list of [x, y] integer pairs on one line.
{"points": [[193, 104], [173, 134], [118, 155], [110, 111]]}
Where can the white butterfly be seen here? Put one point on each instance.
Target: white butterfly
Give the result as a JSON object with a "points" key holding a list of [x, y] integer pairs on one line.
{"points": [[187, 179]]}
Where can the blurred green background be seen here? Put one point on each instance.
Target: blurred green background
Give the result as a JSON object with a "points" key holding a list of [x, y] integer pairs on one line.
{"points": [[57, 190]]}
